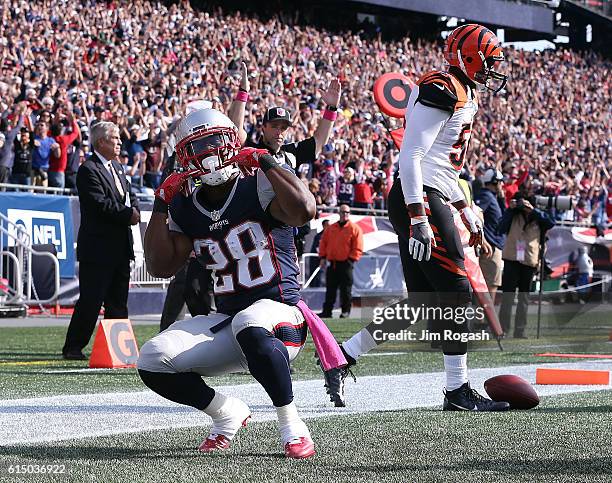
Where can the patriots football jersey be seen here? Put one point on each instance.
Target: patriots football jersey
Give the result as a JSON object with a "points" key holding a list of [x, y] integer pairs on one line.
{"points": [[443, 161], [252, 254], [346, 191]]}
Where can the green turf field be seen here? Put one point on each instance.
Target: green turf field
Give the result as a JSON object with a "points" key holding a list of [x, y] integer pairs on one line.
{"points": [[567, 438], [30, 362]]}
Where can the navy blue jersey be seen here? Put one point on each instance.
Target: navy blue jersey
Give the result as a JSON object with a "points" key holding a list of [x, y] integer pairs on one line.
{"points": [[252, 254], [346, 192]]}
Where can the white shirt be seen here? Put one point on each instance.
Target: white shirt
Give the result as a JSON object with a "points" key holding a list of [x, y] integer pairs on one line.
{"points": [[105, 162], [108, 165], [428, 145]]}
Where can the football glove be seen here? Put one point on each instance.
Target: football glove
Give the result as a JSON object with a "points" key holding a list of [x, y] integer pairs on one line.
{"points": [[474, 225], [421, 238], [172, 185], [249, 157]]}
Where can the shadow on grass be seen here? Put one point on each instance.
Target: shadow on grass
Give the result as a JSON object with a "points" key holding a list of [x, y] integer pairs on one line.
{"points": [[276, 455], [80, 453], [95, 409], [577, 409], [510, 466], [68, 371], [103, 453]]}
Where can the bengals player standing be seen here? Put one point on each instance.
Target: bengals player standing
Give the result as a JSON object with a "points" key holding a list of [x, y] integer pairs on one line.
{"points": [[439, 118]]}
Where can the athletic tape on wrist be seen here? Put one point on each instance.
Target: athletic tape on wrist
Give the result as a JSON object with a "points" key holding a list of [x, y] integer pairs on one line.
{"points": [[267, 162], [330, 115], [242, 96]]}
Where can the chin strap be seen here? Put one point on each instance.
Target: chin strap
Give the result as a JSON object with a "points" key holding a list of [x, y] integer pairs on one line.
{"points": [[219, 176]]}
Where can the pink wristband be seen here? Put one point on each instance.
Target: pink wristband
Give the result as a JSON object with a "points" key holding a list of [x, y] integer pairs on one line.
{"points": [[330, 115], [242, 96]]}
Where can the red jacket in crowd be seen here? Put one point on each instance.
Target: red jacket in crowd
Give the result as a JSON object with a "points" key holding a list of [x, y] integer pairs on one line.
{"points": [[58, 165]]}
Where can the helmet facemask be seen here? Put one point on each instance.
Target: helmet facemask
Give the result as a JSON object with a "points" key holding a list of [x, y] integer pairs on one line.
{"points": [[208, 152], [487, 75]]}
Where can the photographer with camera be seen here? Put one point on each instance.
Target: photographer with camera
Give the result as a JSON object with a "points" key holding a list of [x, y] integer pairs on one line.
{"points": [[525, 228]]}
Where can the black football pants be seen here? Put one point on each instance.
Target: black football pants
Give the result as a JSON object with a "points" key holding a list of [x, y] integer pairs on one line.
{"points": [[442, 280]]}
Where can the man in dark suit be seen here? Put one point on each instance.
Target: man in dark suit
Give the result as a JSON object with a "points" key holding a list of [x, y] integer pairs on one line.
{"points": [[105, 244]]}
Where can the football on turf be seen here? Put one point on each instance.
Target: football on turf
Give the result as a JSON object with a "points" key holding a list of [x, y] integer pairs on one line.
{"points": [[512, 389]]}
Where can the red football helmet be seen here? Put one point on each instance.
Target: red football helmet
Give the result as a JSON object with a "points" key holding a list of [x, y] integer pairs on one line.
{"points": [[476, 51]]}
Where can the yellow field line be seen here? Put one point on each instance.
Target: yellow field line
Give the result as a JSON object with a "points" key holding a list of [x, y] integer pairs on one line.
{"points": [[27, 363]]}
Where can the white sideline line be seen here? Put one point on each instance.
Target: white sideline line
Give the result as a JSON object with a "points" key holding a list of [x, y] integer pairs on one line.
{"points": [[382, 354], [56, 418]]}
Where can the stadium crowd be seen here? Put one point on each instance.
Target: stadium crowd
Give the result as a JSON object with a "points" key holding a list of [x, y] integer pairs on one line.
{"points": [[67, 65]]}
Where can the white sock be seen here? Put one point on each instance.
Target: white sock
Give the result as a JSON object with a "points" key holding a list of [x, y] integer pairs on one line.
{"points": [[215, 406], [361, 343], [227, 414], [287, 414], [290, 424], [456, 371]]}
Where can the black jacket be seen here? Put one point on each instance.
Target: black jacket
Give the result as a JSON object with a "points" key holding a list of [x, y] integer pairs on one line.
{"points": [[105, 233]]}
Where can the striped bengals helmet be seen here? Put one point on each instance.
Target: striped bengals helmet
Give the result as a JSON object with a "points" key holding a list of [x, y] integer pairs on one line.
{"points": [[476, 51]]}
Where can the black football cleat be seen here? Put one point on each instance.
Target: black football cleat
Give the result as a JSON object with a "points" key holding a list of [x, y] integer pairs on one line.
{"points": [[465, 398], [74, 355], [334, 383]]}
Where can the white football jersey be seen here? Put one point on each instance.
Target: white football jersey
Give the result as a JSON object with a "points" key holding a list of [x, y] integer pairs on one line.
{"points": [[437, 135]]}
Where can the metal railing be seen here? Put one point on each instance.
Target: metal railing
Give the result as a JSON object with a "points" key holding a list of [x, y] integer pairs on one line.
{"points": [[47, 190], [28, 188], [21, 261], [321, 208], [140, 277], [384, 213]]}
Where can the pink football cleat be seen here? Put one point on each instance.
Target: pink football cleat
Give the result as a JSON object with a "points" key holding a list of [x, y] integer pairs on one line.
{"points": [[300, 448], [216, 441]]}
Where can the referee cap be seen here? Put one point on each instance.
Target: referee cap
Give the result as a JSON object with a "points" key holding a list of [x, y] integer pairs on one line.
{"points": [[277, 113]]}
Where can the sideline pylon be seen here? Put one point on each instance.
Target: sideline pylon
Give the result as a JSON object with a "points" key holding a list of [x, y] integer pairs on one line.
{"points": [[115, 345]]}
